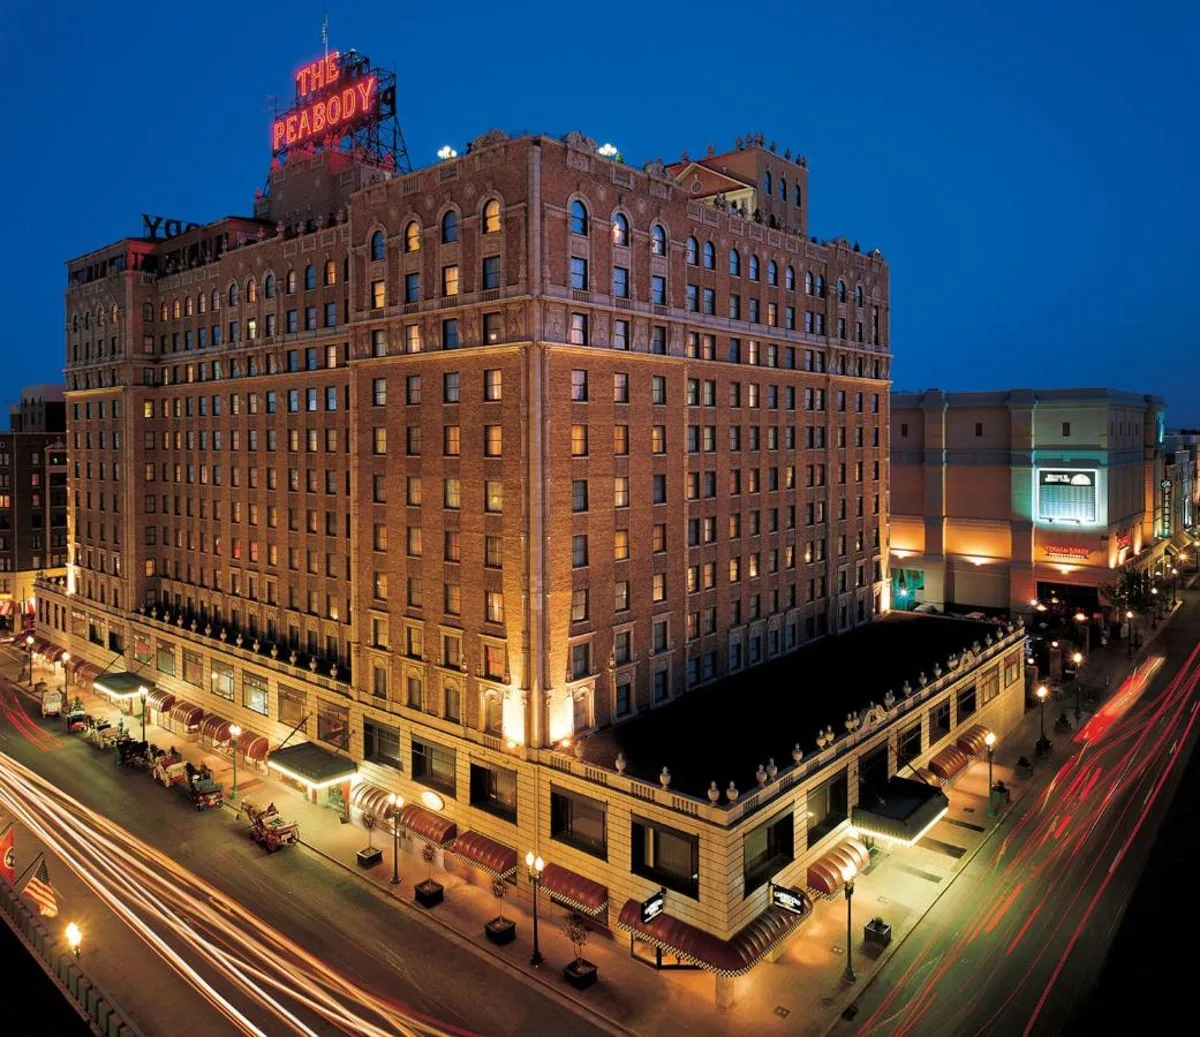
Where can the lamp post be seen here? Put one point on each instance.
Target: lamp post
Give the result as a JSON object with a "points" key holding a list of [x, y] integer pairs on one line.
{"points": [[1043, 745], [66, 658], [1129, 630], [1174, 581], [143, 691], [394, 805], [235, 733], [1082, 619], [1153, 615], [1077, 658], [74, 938], [29, 655], [534, 866], [990, 741], [848, 975]]}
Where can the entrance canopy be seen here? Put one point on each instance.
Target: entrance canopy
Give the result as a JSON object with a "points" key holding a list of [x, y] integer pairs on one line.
{"points": [[122, 685], [312, 766], [905, 811]]}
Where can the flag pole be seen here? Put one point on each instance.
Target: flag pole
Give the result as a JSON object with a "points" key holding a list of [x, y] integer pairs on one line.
{"points": [[21, 878]]}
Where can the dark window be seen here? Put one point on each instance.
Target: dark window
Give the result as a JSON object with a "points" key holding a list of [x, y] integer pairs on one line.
{"points": [[826, 808], [377, 245], [873, 776], [434, 765], [494, 789], [381, 744], [450, 227], [666, 856], [966, 703], [578, 821], [166, 659], [979, 428], [768, 848], [941, 716], [908, 745], [579, 218], [491, 272]]}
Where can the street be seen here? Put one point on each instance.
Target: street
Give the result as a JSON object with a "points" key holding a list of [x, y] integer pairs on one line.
{"points": [[331, 954], [1018, 940]]}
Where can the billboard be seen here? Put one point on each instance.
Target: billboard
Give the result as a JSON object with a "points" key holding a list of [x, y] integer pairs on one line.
{"points": [[1068, 495]]}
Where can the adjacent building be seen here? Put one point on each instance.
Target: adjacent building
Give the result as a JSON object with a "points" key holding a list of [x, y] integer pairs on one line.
{"points": [[33, 499], [1003, 498]]}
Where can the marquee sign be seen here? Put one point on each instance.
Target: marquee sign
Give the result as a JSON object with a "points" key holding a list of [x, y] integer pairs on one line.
{"points": [[1077, 553], [653, 906], [1067, 495], [330, 100], [790, 900]]}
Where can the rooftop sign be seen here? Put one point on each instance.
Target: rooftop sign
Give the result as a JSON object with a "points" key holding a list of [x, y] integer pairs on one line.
{"points": [[331, 100]]}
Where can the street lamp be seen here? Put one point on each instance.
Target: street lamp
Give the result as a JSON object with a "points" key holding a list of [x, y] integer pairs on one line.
{"points": [[990, 741], [1077, 659], [1153, 615], [74, 938], [1082, 619], [1043, 745], [235, 733], [143, 691], [29, 655], [394, 805], [534, 866], [1129, 631], [848, 876], [66, 658]]}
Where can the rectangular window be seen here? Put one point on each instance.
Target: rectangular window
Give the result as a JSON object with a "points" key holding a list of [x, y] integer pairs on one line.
{"points": [[193, 668], [254, 694], [767, 849], [434, 765], [827, 806], [491, 272], [221, 680], [381, 744], [666, 856], [494, 789], [333, 724], [165, 661], [579, 821], [293, 708]]}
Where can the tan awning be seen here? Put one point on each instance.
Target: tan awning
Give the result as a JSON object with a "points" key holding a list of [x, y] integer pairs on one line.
{"points": [[826, 875], [428, 825], [495, 858], [160, 699], [574, 890]]}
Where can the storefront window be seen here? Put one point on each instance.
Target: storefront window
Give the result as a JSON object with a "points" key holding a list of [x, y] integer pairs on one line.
{"points": [[333, 725], [254, 693], [767, 848], [293, 708], [667, 856], [221, 680], [166, 658], [435, 766], [141, 650], [494, 789], [381, 744], [579, 821], [826, 808], [193, 668]]}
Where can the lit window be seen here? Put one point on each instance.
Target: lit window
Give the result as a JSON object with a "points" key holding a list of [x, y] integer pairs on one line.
{"points": [[491, 217], [620, 230], [412, 237], [658, 241]]}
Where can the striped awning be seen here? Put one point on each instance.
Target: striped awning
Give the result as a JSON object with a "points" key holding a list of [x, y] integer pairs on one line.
{"points": [[733, 957], [478, 850], [215, 728], [55, 652], [973, 740], [86, 673], [428, 825], [186, 714], [948, 763], [40, 644], [252, 746], [371, 799], [827, 874], [160, 699], [574, 890]]}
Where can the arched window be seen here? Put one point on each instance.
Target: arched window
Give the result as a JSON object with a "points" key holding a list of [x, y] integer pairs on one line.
{"points": [[820, 286], [772, 273], [290, 283], [754, 268], [87, 318], [735, 263], [449, 227], [310, 278], [216, 301], [841, 290], [201, 303], [412, 237], [330, 272], [796, 196], [579, 218], [783, 188], [252, 290], [491, 217], [858, 295], [789, 280], [147, 314], [162, 315], [658, 241], [620, 230], [808, 282], [377, 244], [710, 256], [233, 294], [187, 306], [269, 286], [693, 251], [176, 310], [767, 181]]}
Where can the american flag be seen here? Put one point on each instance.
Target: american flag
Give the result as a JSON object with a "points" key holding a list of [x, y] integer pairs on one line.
{"points": [[39, 890]]}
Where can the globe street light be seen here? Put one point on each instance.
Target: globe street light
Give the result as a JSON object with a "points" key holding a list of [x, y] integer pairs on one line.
{"points": [[235, 733], [394, 805], [990, 741], [29, 655], [74, 938], [143, 691], [1082, 619], [1129, 630], [1077, 658], [66, 658], [534, 866], [1043, 745], [848, 877]]}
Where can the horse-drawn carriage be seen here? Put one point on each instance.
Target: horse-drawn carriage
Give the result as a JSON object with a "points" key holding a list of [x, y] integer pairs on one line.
{"points": [[131, 753], [101, 733], [195, 782], [77, 719], [269, 829]]}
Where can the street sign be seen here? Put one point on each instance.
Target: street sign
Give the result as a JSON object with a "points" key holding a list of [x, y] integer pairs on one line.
{"points": [[652, 907], [790, 900]]}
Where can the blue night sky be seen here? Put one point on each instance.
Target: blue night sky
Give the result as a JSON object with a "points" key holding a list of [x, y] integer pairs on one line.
{"points": [[1028, 169]]}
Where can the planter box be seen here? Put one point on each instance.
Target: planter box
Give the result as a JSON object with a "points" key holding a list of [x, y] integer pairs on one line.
{"points": [[580, 975], [428, 893], [501, 931], [369, 858], [880, 935]]}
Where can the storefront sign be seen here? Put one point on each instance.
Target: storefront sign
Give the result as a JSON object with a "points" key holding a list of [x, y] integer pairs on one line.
{"points": [[1067, 551], [789, 899], [1124, 540], [328, 104], [653, 906]]}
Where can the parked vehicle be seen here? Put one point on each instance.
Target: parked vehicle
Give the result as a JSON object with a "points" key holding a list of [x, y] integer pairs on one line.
{"points": [[268, 829], [131, 753], [77, 719], [170, 769], [102, 734], [52, 703]]}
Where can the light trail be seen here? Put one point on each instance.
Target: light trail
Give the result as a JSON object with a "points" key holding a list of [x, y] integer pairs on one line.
{"points": [[190, 923]]}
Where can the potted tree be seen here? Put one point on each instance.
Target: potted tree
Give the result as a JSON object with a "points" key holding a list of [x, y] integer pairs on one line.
{"points": [[580, 973], [878, 932], [371, 856], [428, 892], [500, 930]]}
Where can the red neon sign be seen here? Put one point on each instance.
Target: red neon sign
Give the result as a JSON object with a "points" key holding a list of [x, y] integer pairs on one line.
{"points": [[328, 110]]}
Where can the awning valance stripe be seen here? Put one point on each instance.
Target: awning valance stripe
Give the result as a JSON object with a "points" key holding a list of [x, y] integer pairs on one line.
{"points": [[477, 849], [826, 875], [160, 699], [574, 890], [733, 957], [371, 799], [946, 764], [430, 826]]}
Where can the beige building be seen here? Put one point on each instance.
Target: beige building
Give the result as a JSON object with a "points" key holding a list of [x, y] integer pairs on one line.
{"points": [[1001, 498]]}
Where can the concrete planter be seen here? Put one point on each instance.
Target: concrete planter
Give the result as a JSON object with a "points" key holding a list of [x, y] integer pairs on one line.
{"points": [[429, 893], [580, 974], [500, 931], [369, 857]]}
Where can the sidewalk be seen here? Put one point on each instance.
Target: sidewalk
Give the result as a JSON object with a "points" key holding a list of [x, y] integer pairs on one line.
{"points": [[801, 993]]}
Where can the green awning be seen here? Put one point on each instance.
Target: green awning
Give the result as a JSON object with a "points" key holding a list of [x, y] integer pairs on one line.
{"points": [[311, 765], [122, 685], [903, 813]]}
